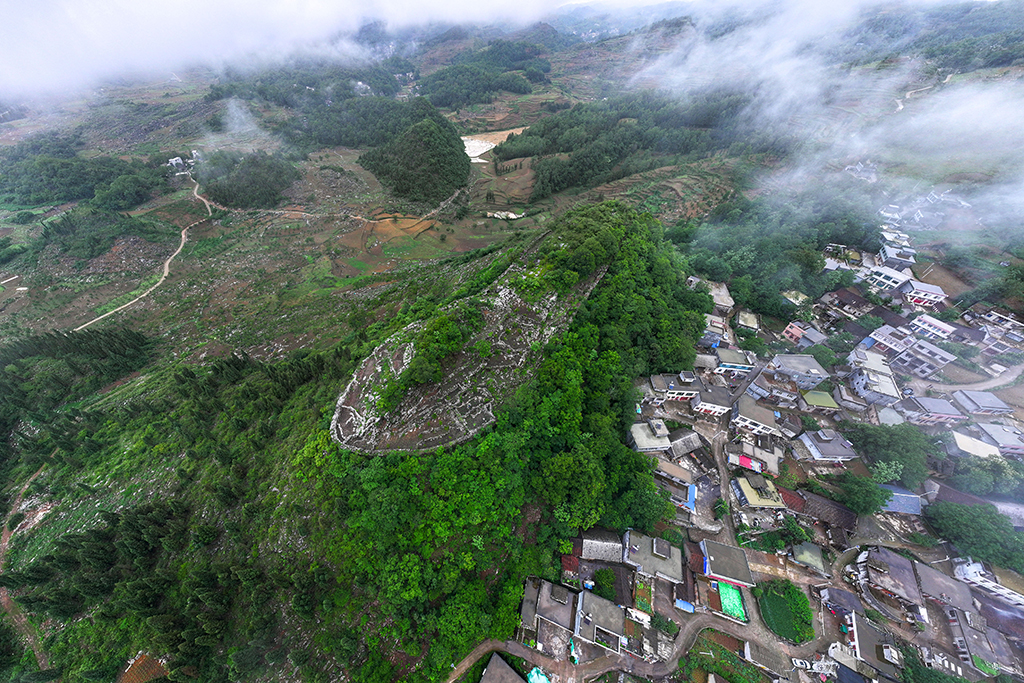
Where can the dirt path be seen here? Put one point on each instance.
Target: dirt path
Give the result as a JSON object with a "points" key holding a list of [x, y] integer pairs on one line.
{"points": [[911, 93], [12, 608], [167, 264]]}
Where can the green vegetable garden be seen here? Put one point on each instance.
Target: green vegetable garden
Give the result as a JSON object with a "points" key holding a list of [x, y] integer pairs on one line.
{"points": [[786, 610]]}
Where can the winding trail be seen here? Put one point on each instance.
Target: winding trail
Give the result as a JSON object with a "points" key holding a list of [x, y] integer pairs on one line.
{"points": [[12, 608], [167, 264]]}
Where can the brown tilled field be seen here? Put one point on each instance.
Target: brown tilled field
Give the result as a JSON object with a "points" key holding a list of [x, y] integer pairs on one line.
{"points": [[937, 274], [142, 669]]}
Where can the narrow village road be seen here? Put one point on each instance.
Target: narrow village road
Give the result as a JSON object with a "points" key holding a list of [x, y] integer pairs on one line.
{"points": [[12, 608], [167, 263], [569, 673], [921, 386]]}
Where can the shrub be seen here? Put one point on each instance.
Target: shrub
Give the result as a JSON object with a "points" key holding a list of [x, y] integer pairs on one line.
{"points": [[874, 615], [604, 580], [664, 624], [674, 536], [15, 519], [204, 535], [786, 610], [922, 539]]}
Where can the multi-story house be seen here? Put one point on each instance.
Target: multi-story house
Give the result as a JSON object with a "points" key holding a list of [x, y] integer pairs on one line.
{"points": [[981, 403], [1009, 440], [733, 361], [931, 328], [922, 293], [681, 387], [897, 256], [872, 378], [775, 387], [885, 279], [748, 415], [926, 411], [712, 401], [802, 368], [923, 359], [890, 340]]}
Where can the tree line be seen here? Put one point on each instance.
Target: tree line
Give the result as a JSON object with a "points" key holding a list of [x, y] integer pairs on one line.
{"points": [[478, 75], [767, 246], [47, 169], [254, 180], [608, 140]]}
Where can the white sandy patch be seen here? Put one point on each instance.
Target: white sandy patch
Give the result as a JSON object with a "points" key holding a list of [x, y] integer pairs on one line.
{"points": [[475, 147]]}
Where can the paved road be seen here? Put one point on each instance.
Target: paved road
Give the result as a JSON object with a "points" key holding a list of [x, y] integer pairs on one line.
{"points": [[569, 673], [921, 386]]}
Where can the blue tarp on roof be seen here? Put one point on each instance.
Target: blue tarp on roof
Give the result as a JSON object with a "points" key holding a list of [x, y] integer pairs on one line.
{"points": [[902, 500], [685, 606], [691, 498], [537, 676]]}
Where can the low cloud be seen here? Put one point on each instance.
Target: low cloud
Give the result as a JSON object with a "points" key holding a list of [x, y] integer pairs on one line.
{"points": [[52, 45], [792, 58]]}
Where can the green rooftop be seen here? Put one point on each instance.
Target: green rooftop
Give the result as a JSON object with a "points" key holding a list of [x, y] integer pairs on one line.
{"points": [[732, 600], [819, 399]]}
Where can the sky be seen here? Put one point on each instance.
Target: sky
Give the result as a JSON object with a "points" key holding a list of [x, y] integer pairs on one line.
{"points": [[50, 45]]}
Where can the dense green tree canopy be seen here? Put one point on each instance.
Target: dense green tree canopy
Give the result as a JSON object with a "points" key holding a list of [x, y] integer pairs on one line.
{"points": [[979, 531], [904, 444], [862, 494], [426, 163], [253, 180], [47, 169]]}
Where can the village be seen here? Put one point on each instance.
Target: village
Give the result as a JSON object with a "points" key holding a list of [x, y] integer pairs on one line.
{"points": [[731, 440]]}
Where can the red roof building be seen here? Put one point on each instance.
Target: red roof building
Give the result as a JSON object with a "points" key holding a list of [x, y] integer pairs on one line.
{"points": [[792, 499]]}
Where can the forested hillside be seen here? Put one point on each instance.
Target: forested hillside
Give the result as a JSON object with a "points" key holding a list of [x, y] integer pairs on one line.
{"points": [[597, 143], [479, 75], [384, 563], [246, 180], [772, 245], [426, 163], [961, 36], [47, 169], [418, 153], [186, 493]]}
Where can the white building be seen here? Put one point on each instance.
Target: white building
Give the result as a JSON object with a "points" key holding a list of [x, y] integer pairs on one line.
{"points": [[650, 436], [931, 328], [748, 415], [872, 378], [802, 368], [885, 279], [973, 574], [922, 293]]}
